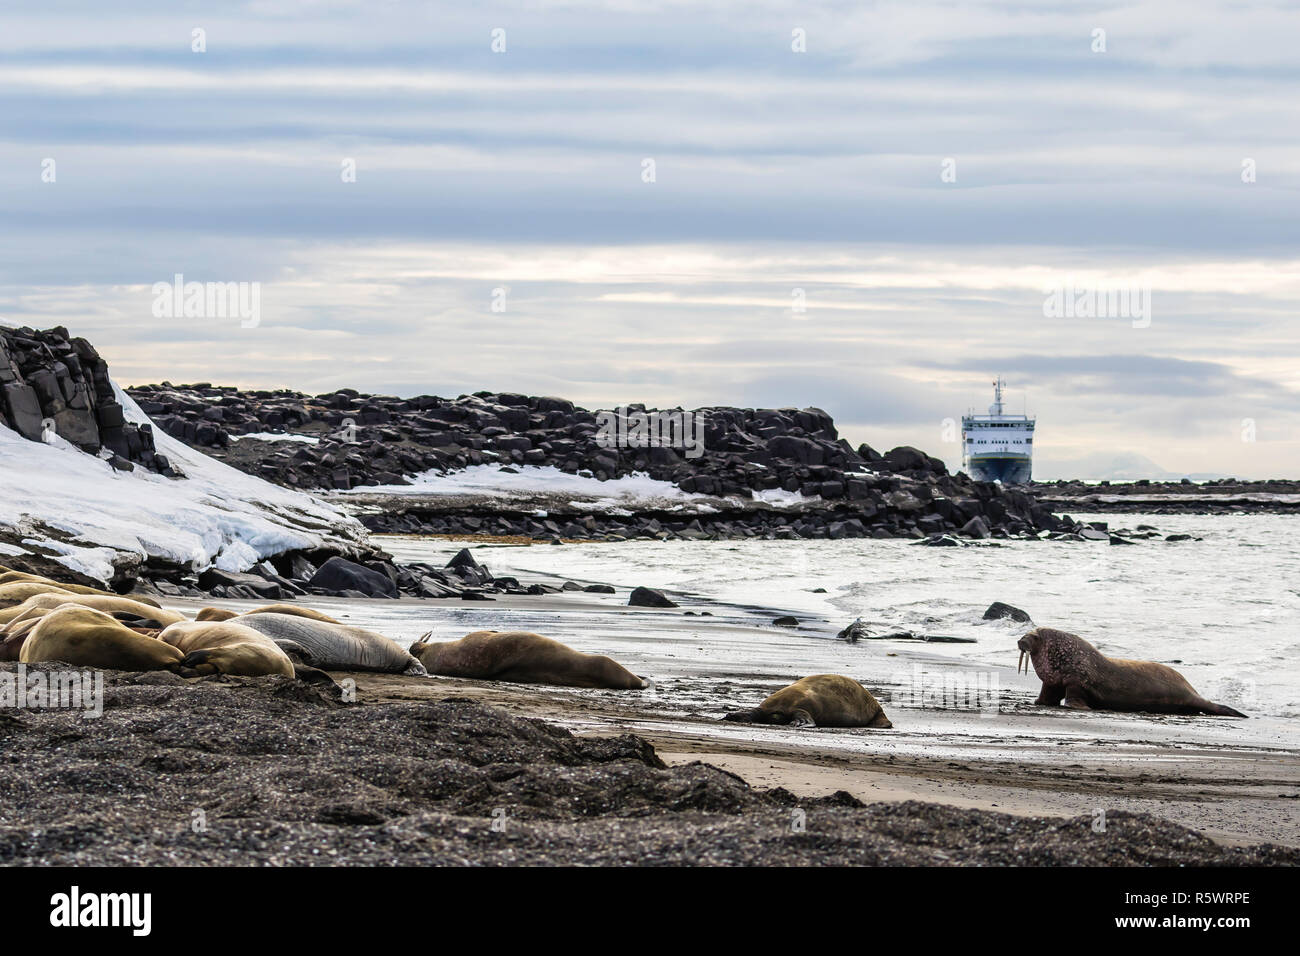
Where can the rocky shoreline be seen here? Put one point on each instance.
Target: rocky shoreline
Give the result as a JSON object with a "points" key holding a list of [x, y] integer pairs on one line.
{"points": [[272, 771], [356, 441], [51, 382], [295, 575], [769, 474], [1221, 496]]}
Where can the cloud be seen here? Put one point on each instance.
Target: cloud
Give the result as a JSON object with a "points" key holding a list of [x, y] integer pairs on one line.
{"points": [[775, 171]]}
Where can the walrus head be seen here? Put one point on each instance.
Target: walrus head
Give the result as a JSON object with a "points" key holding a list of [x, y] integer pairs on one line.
{"points": [[1056, 654], [214, 614], [1027, 645]]}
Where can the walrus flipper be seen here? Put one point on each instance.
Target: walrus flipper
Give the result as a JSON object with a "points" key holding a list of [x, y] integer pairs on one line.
{"points": [[752, 716], [312, 675], [197, 662], [296, 652], [1050, 695], [1221, 710], [801, 718]]}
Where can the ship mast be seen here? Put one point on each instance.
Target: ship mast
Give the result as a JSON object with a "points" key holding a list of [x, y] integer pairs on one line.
{"points": [[996, 407]]}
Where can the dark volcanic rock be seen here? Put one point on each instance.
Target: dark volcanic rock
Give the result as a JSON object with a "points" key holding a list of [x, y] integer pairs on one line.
{"points": [[340, 574], [998, 611], [649, 597], [853, 633], [49, 378], [370, 440]]}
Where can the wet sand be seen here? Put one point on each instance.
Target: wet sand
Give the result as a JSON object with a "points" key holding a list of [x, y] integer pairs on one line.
{"points": [[1237, 781]]}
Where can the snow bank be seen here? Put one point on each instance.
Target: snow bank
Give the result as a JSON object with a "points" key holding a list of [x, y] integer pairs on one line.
{"points": [[216, 516], [277, 436], [629, 494]]}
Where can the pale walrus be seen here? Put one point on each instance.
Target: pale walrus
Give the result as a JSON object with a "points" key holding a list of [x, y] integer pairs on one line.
{"points": [[225, 647], [333, 647], [16, 592], [12, 639], [221, 614], [1073, 670], [127, 610], [523, 657], [822, 700], [22, 577], [138, 617], [88, 638]]}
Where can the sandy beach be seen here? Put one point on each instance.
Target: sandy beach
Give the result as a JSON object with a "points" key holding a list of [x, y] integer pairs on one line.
{"points": [[1235, 781]]}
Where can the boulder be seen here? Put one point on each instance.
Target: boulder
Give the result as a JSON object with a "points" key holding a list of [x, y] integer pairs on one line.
{"points": [[998, 611], [340, 574], [649, 597]]}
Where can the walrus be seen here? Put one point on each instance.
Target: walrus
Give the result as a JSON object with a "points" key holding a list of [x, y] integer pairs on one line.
{"points": [[22, 577], [822, 700], [16, 592], [88, 638], [127, 610], [217, 614], [333, 647], [11, 639], [523, 657], [1074, 671], [221, 614], [225, 647]]}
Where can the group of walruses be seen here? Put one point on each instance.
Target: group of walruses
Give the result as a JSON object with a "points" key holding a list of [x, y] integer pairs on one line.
{"points": [[45, 620]]}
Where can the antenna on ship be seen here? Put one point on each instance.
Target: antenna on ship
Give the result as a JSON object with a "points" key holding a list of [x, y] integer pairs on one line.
{"points": [[997, 397]]}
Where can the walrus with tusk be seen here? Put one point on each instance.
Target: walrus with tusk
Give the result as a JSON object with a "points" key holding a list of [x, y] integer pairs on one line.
{"points": [[1074, 671], [523, 657], [822, 700]]}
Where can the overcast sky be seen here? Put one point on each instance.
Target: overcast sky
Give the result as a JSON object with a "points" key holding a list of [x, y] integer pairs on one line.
{"points": [[925, 173]]}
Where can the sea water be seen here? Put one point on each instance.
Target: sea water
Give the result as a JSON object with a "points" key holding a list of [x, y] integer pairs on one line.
{"points": [[1224, 609]]}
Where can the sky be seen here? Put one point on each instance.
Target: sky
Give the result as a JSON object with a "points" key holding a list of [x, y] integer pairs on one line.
{"points": [[874, 208]]}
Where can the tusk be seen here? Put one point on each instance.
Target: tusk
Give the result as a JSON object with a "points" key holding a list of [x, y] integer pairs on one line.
{"points": [[1020, 661]]}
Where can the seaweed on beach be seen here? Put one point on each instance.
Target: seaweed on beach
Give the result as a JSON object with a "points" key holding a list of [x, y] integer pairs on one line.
{"points": [[275, 771]]}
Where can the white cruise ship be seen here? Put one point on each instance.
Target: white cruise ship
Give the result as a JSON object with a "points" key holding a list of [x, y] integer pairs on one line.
{"points": [[998, 446]]}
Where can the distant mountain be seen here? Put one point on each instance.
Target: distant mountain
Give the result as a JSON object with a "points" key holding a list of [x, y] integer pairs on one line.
{"points": [[1124, 466]]}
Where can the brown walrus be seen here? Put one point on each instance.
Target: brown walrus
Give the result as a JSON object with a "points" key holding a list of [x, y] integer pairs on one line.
{"points": [[225, 647], [525, 658], [822, 700], [1073, 670], [88, 638]]}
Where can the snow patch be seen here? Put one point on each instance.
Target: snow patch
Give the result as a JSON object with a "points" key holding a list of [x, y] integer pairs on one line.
{"points": [[272, 436], [215, 516], [626, 495]]}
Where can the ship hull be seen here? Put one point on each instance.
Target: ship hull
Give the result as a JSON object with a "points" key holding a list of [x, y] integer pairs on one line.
{"points": [[1009, 471]]}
